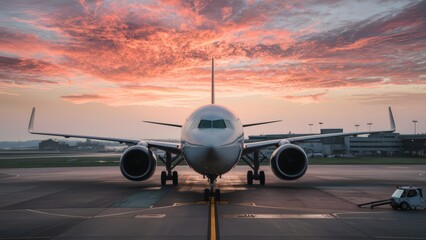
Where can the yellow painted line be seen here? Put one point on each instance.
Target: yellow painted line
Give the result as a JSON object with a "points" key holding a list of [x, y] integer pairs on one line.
{"points": [[212, 220]]}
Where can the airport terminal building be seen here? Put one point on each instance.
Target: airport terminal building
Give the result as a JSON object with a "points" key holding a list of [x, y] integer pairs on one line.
{"points": [[386, 144]]}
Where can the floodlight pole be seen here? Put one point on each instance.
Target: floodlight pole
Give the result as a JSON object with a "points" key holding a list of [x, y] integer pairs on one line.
{"points": [[415, 126], [369, 126]]}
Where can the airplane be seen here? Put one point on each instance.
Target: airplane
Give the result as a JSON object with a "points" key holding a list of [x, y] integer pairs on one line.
{"points": [[212, 143]]}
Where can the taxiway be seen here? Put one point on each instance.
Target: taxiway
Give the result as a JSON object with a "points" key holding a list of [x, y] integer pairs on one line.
{"points": [[98, 203]]}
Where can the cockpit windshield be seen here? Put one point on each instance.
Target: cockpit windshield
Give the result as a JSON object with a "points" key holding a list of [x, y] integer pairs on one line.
{"points": [[205, 124], [221, 123]]}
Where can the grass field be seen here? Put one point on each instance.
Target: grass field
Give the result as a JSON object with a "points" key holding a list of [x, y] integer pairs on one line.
{"points": [[367, 161], [113, 160], [60, 162]]}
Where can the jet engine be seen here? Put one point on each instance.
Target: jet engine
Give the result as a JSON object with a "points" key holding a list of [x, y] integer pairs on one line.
{"points": [[138, 163], [289, 162]]}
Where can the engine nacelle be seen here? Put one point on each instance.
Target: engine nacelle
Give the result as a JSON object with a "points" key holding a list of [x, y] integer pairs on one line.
{"points": [[289, 162], [138, 163]]}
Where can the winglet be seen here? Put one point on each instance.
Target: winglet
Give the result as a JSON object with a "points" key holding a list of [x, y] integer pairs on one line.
{"points": [[392, 121], [31, 124], [212, 80]]}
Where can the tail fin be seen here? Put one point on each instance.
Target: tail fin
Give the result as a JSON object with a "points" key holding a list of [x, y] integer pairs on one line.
{"points": [[212, 80]]}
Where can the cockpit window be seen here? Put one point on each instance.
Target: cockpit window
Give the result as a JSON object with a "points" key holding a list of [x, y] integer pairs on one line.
{"points": [[205, 124], [228, 124], [219, 124]]}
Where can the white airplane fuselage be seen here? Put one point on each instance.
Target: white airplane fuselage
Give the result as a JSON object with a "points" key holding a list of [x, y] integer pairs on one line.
{"points": [[212, 140]]}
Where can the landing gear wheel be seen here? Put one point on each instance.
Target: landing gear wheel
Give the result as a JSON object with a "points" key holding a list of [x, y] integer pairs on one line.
{"points": [[217, 195], [206, 194], [404, 206], [163, 178], [175, 178], [262, 177], [250, 177]]}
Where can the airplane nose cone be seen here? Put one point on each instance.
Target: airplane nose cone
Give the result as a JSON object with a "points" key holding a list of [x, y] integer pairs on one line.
{"points": [[211, 155], [211, 160]]}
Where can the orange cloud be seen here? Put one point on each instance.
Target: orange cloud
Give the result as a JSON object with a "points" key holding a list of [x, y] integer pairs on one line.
{"points": [[155, 51], [309, 98]]}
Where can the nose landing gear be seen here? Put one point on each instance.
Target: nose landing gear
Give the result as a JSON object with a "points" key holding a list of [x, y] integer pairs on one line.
{"points": [[212, 192]]}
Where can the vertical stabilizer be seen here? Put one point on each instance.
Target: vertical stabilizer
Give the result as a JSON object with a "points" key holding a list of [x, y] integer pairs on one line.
{"points": [[212, 80]]}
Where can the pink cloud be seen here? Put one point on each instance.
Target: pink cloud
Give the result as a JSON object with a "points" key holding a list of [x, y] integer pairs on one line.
{"points": [[308, 98], [162, 50]]}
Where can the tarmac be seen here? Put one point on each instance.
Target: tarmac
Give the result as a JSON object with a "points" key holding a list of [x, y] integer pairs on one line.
{"points": [[99, 203]]}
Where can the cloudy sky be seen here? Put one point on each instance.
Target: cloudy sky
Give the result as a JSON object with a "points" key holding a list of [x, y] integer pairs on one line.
{"points": [[101, 67]]}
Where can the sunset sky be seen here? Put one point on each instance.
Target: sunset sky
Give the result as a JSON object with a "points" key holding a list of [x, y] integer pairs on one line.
{"points": [[101, 67]]}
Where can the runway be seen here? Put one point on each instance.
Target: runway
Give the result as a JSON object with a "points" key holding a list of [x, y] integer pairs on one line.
{"points": [[98, 203]]}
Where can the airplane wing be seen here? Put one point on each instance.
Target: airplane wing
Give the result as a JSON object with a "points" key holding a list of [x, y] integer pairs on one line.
{"points": [[165, 146], [250, 147], [170, 147], [260, 123], [164, 124]]}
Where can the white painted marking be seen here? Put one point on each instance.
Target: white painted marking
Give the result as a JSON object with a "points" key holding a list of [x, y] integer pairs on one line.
{"points": [[181, 204], [367, 218], [56, 214], [151, 188], [281, 216], [16, 176], [155, 215], [247, 204], [392, 237], [106, 215], [294, 209], [18, 238]]}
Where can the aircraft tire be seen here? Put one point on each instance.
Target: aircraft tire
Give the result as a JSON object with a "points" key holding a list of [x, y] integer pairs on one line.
{"points": [[175, 178], [217, 194], [262, 177], [206, 194], [163, 178], [250, 177]]}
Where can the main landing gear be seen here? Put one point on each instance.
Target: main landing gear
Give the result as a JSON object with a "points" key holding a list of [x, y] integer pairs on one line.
{"points": [[170, 163], [212, 192], [254, 164]]}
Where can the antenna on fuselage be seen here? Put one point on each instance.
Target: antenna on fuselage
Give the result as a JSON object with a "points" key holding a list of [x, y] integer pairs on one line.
{"points": [[212, 80]]}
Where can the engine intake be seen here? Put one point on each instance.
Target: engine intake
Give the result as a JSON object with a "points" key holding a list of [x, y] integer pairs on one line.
{"points": [[138, 163], [289, 162]]}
